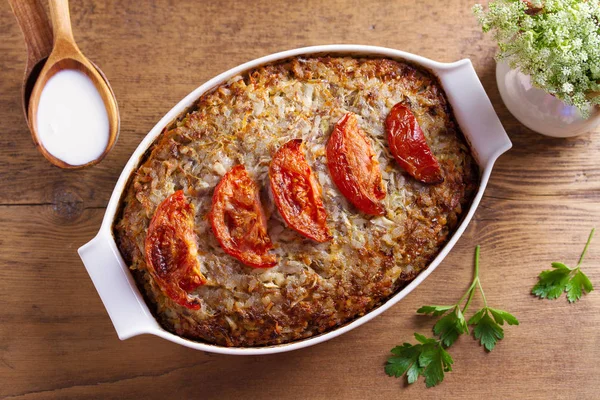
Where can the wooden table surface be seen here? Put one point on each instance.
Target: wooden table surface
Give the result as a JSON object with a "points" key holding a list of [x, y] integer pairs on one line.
{"points": [[56, 340]]}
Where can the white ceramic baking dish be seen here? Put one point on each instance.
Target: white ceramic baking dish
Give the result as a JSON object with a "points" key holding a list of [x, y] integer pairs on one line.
{"points": [[115, 284]]}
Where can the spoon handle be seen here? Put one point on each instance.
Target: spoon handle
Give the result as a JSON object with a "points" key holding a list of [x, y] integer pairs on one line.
{"points": [[61, 21], [35, 26]]}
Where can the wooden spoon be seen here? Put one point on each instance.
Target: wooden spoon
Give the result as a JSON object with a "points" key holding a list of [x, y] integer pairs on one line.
{"points": [[66, 55], [37, 32]]}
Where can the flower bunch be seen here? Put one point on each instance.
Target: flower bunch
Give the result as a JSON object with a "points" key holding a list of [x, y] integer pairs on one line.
{"points": [[556, 42]]}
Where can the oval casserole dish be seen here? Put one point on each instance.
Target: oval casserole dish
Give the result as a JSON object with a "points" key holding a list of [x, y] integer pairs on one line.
{"points": [[314, 288]]}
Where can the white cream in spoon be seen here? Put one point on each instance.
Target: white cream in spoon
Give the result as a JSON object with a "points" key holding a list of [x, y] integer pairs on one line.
{"points": [[72, 121]]}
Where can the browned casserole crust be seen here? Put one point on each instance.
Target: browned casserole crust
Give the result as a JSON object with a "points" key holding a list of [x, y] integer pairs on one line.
{"points": [[315, 287]]}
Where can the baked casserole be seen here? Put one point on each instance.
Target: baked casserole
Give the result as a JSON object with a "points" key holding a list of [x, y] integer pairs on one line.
{"points": [[304, 281]]}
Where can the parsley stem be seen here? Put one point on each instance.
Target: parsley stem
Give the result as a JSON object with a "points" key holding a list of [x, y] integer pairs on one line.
{"points": [[477, 262], [586, 247], [482, 294], [475, 280], [477, 275], [470, 292]]}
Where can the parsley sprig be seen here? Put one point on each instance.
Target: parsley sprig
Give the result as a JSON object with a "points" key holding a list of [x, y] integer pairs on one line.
{"points": [[553, 282], [429, 357], [486, 321]]}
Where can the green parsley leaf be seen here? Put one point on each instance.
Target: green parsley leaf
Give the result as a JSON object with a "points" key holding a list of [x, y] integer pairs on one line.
{"points": [[436, 361], [413, 373], [553, 282], [578, 284], [427, 359], [560, 266], [450, 327], [405, 356], [434, 310], [501, 316], [488, 332], [423, 339], [487, 328], [474, 320]]}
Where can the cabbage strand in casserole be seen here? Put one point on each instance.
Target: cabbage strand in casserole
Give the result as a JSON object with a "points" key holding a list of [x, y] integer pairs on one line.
{"points": [[312, 287]]}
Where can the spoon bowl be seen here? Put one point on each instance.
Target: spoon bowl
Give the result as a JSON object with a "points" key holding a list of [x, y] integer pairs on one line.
{"points": [[66, 55]]}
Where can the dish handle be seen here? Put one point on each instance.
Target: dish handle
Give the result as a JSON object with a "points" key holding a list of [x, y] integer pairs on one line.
{"points": [[127, 310], [474, 111]]}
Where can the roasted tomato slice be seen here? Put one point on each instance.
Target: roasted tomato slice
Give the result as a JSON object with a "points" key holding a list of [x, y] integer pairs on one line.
{"points": [[354, 167], [238, 220], [297, 193], [171, 250], [409, 147]]}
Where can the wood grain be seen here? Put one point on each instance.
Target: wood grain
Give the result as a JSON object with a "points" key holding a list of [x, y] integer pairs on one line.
{"points": [[56, 340], [36, 29], [37, 33]]}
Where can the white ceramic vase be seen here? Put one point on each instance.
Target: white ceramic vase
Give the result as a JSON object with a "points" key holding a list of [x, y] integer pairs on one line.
{"points": [[538, 110]]}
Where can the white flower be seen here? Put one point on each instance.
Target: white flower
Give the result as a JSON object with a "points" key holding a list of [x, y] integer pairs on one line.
{"points": [[559, 46], [567, 87]]}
